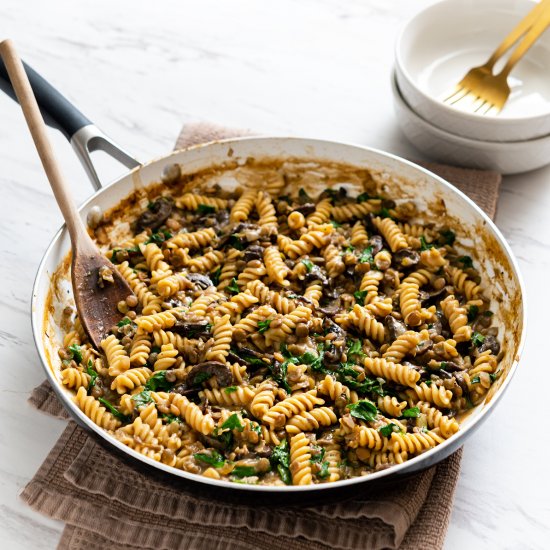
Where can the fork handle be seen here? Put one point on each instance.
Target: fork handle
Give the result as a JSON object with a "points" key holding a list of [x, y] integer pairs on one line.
{"points": [[519, 30], [528, 40]]}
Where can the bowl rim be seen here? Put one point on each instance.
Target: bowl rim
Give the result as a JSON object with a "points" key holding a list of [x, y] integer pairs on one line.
{"points": [[496, 121], [487, 145]]}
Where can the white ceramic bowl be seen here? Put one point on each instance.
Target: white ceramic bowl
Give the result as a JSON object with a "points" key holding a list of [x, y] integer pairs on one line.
{"points": [[504, 157], [440, 44]]}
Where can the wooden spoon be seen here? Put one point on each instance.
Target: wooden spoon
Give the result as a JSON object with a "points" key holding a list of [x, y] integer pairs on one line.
{"points": [[96, 305]]}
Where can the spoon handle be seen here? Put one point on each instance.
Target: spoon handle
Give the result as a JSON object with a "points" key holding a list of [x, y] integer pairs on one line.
{"points": [[38, 130]]}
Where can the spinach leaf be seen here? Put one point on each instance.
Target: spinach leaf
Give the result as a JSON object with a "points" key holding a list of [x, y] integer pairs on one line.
{"points": [[233, 287], [143, 398], [366, 256], [158, 382], [355, 347], [448, 236], [388, 429], [475, 380], [215, 277], [364, 410], [93, 375], [230, 389], [243, 471], [308, 264], [233, 423], [280, 459], [315, 361], [319, 454], [473, 312], [423, 244], [214, 459], [335, 224], [113, 410], [158, 237], [466, 261], [323, 473], [205, 209], [477, 339], [359, 296], [170, 418], [76, 352], [413, 412], [363, 197], [264, 325], [384, 213], [124, 322]]}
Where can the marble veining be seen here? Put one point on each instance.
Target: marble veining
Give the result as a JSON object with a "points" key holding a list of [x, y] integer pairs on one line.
{"points": [[318, 68]]}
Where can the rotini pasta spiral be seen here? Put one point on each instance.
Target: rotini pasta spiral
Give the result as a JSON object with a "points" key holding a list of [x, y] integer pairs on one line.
{"points": [[276, 416], [391, 233], [131, 379], [359, 235], [367, 324], [396, 372], [195, 239], [437, 395], [93, 410], [458, 319], [222, 340], [190, 201], [321, 214], [116, 356], [166, 358], [242, 208], [277, 270], [308, 421], [300, 460], [75, 378], [241, 396]]}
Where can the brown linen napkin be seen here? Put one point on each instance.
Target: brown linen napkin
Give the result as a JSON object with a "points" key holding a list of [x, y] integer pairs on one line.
{"points": [[108, 500]]}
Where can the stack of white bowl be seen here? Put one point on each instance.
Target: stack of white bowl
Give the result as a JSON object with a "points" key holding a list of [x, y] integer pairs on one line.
{"points": [[434, 51]]}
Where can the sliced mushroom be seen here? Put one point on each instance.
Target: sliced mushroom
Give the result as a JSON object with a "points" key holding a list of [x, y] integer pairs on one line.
{"points": [[395, 328], [305, 209], [376, 243], [253, 252], [263, 450], [192, 328], [203, 371], [405, 258], [200, 280], [331, 308], [424, 346], [156, 214], [330, 326], [317, 274], [429, 297], [490, 343], [459, 377]]}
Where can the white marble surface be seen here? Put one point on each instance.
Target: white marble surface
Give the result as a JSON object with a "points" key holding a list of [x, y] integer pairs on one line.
{"points": [[313, 68]]}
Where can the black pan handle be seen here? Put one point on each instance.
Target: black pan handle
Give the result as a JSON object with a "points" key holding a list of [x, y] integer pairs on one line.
{"points": [[60, 113], [56, 109]]}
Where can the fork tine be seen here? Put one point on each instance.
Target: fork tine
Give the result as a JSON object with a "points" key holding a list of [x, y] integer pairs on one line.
{"points": [[486, 108], [466, 102], [479, 104], [458, 89], [457, 96]]}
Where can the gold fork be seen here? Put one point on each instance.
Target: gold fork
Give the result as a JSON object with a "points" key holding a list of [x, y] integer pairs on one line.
{"points": [[480, 91]]}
